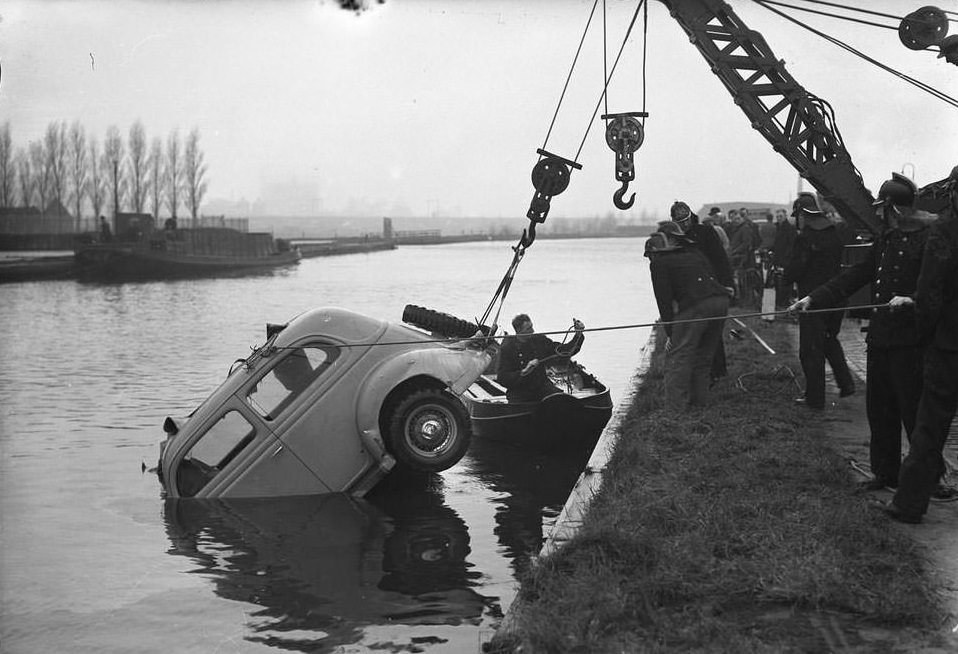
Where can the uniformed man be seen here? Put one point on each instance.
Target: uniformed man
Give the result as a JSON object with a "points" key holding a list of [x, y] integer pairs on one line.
{"points": [[935, 305], [894, 355]]}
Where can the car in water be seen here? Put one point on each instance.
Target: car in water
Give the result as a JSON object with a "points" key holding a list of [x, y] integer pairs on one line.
{"points": [[332, 402]]}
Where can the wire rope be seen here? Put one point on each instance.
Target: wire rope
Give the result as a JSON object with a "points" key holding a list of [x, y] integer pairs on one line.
{"points": [[839, 16], [605, 87], [917, 83], [657, 323], [569, 76], [865, 11]]}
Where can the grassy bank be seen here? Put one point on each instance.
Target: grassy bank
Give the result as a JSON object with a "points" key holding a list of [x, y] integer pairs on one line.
{"points": [[730, 529]]}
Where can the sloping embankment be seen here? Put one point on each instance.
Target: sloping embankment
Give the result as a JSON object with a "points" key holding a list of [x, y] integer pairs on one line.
{"points": [[734, 528]]}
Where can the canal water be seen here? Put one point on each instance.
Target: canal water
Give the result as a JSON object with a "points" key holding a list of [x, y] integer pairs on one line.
{"points": [[93, 560]]}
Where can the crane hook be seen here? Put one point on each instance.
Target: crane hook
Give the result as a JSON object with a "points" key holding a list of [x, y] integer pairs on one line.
{"points": [[617, 197]]}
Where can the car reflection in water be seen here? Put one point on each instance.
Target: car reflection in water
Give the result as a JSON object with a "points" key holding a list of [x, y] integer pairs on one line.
{"points": [[324, 567], [534, 485]]}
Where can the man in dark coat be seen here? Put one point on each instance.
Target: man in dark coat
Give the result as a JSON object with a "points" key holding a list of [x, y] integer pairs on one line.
{"points": [[682, 278], [523, 359], [894, 356], [705, 238], [935, 305], [785, 235], [817, 258]]}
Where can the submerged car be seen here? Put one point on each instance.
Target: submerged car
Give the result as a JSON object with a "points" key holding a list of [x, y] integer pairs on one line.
{"points": [[330, 403]]}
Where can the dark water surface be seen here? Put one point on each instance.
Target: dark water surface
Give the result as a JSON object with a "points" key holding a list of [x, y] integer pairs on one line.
{"points": [[93, 560]]}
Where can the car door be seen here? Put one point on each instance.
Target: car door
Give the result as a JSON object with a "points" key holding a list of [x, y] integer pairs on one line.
{"points": [[307, 399]]}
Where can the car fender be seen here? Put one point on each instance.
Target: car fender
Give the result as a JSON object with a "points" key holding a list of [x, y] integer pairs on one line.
{"points": [[454, 367]]}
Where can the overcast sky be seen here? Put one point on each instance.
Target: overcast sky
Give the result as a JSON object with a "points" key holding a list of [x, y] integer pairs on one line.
{"points": [[421, 106]]}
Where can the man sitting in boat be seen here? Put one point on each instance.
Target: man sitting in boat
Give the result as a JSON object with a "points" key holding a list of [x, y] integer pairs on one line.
{"points": [[523, 359]]}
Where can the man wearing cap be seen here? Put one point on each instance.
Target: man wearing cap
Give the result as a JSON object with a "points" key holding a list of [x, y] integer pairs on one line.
{"points": [[715, 220], [817, 258], [708, 243], [935, 306], [683, 278], [893, 356]]}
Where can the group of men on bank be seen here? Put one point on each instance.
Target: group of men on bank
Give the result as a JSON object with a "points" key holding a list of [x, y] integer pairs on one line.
{"points": [[912, 339]]}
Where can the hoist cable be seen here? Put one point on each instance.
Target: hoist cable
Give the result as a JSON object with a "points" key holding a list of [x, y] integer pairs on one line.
{"points": [[866, 11], [504, 287], [569, 76], [645, 48], [831, 15], [605, 86], [917, 83], [605, 52]]}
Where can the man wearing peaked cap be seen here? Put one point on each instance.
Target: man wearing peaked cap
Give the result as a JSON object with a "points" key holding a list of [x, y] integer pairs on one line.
{"points": [[681, 277], [935, 305], [706, 239], [893, 355], [816, 258]]}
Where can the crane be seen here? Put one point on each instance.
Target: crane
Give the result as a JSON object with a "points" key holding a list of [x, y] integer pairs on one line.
{"points": [[798, 125]]}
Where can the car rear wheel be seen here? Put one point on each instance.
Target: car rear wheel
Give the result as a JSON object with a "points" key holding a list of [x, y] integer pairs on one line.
{"points": [[429, 430]]}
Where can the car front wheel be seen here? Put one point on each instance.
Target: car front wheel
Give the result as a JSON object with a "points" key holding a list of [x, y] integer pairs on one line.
{"points": [[429, 430]]}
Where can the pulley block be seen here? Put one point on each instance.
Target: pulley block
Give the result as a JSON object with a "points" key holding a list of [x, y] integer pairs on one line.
{"points": [[624, 135], [550, 176], [923, 27]]}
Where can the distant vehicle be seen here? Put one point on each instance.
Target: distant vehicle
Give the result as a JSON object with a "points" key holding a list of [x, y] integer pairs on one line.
{"points": [[330, 403]]}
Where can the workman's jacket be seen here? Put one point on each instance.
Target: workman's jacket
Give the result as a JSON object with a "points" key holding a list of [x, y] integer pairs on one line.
{"points": [[515, 354], [708, 242], [816, 256], [785, 235], [891, 265], [683, 277], [936, 298]]}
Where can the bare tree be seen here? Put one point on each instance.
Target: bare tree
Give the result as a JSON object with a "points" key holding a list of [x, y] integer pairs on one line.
{"points": [[96, 188], [136, 160], [112, 160], [25, 178], [194, 172], [79, 170], [40, 175], [154, 165], [54, 142], [174, 172], [7, 168]]}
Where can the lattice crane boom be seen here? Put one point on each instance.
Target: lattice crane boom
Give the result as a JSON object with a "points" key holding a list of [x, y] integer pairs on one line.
{"points": [[797, 124]]}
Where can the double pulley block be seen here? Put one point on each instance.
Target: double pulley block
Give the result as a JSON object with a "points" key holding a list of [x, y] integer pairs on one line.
{"points": [[624, 134]]}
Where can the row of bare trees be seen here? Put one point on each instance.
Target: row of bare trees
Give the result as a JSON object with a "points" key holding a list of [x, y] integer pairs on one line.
{"points": [[72, 168]]}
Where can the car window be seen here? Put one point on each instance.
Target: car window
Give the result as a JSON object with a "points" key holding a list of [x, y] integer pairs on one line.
{"points": [[292, 374], [212, 452]]}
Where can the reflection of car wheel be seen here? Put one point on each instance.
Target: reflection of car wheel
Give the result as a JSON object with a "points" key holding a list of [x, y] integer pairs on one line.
{"points": [[429, 430], [438, 322]]}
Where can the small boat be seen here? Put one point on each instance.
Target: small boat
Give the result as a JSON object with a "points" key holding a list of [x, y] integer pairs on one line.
{"points": [[141, 252], [568, 421]]}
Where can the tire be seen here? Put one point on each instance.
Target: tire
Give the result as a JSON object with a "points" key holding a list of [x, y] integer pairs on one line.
{"points": [[440, 323], [429, 430]]}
